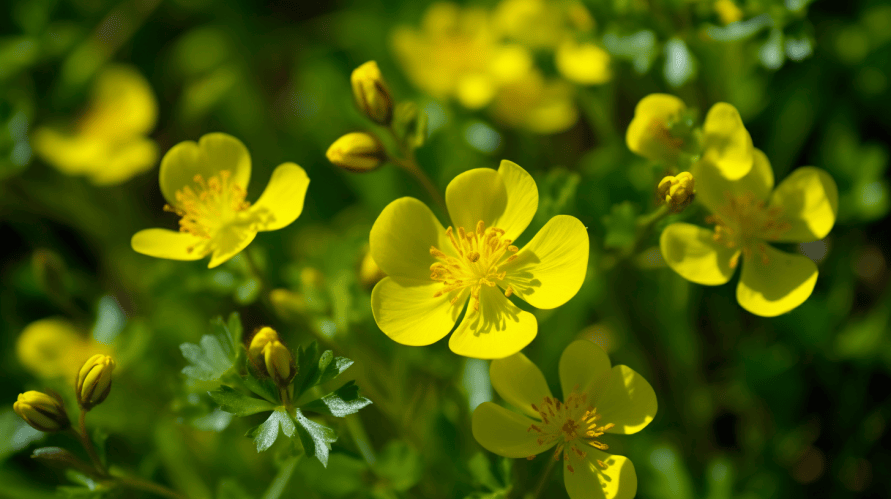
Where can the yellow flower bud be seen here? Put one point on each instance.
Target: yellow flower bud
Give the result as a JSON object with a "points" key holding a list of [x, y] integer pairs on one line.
{"points": [[267, 352], [677, 192], [43, 412], [372, 94], [94, 381], [358, 152]]}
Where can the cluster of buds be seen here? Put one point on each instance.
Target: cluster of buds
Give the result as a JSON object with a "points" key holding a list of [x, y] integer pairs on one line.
{"points": [[46, 412], [271, 357], [676, 192]]}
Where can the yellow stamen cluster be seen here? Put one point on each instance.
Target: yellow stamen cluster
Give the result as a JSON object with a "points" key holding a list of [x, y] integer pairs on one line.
{"points": [[744, 222], [482, 254], [215, 202], [570, 423]]}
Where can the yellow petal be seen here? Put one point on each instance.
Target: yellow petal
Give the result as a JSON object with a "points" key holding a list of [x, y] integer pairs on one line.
{"points": [[712, 187], [52, 348], [212, 154], [584, 368], [122, 106], [506, 198], [70, 154], [401, 238], [647, 134], [583, 63], [692, 252], [498, 330], [125, 160], [282, 200], [519, 382], [505, 432], [407, 312], [163, 243], [628, 401], [551, 268], [589, 481], [229, 241], [808, 199], [725, 141], [778, 286]]}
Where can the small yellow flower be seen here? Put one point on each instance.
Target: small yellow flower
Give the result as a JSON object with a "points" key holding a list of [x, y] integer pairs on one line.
{"points": [[535, 104], [43, 412], [597, 400], [748, 213], [205, 183], [54, 348], [94, 381], [727, 11], [433, 272], [583, 63], [110, 143], [649, 134]]}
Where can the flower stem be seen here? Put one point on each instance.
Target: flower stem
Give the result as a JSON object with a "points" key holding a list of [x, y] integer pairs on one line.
{"points": [[543, 480], [139, 483], [409, 163], [88, 444]]}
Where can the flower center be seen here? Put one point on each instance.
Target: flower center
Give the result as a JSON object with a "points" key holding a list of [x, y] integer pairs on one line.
{"points": [[570, 424], [482, 253], [744, 222], [213, 204]]}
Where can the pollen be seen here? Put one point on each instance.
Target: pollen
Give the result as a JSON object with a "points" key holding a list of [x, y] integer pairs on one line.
{"points": [[744, 222], [211, 205], [481, 255]]}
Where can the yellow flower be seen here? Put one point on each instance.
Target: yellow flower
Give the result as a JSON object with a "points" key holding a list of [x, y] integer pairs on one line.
{"points": [[54, 348], [206, 183], [536, 105], [598, 400], [727, 11], [432, 271], [110, 143], [747, 215], [657, 132], [583, 63], [534, 23]]}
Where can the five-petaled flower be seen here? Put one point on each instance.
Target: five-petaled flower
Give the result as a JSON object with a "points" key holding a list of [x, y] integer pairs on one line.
{"points": [[205, 183], [747, 214], [432, 271], [597, 400]]}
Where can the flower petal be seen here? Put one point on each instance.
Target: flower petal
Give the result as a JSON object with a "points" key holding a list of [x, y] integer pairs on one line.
{"points": [[725, 141], [551, 268], [498, 330], [212, 154], [589, 481], [407, 312], [583, 63], [519, 382], [170, 244], [282, 200], [784, 282], [584, 367], [229, 242], [692, 252], [809, 202], [628, 401], [122, 105], [401, 238], [125, 160], [505, 432], [647, 134], [506, 198], [712, 188]]}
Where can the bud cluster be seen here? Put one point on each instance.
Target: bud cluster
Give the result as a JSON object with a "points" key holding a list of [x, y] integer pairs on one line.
{"points": [[676, 191]]}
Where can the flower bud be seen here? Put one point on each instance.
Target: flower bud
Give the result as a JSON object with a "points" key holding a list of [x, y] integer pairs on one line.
{"points": [[358, 152], [94, 381], [43, 412], [267, 352], [677, 192], [372, 94]]}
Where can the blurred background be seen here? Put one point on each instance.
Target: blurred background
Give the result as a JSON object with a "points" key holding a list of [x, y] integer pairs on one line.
{"points": [[93, 92]]}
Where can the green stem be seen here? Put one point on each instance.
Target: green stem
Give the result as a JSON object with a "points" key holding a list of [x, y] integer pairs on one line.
{"points": [[360, 436], [277, 487], [543, 480], [88, 444], [409, 163], [139, 483]]}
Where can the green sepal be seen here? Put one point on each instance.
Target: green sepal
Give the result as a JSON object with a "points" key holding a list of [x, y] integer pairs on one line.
{"points": [[339, 403], [238, 403]]}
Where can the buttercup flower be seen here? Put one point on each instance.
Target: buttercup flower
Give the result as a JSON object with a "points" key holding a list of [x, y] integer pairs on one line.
{"points": [[583, 63], [432, 271], [660, 132], [205, 183], [110, 143], [747, 215], [597, 400]]}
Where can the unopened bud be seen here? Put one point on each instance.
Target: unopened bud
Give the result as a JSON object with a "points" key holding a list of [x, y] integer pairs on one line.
{"points": [[358, 152], [267, 352], [410, 124], [372, 94], [43, 412], [677, 192], [94, 381]]}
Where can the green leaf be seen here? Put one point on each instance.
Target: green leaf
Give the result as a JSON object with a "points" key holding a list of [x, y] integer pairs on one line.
{"points": [[316, 438], [234, 328], [15, 434], [333, 369], [339, 403], [238, 403], [621, 226], [59, 457], [307, 368], [228, 488], [214, 355], [266, 434], [263, 387]]}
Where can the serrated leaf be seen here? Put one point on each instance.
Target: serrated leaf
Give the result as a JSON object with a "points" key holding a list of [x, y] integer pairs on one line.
{"points": [[238, 403], [266, 434], [213, 356], [307, 368], [334, 369], [263, 387], [316, 438], [339, 403]]}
